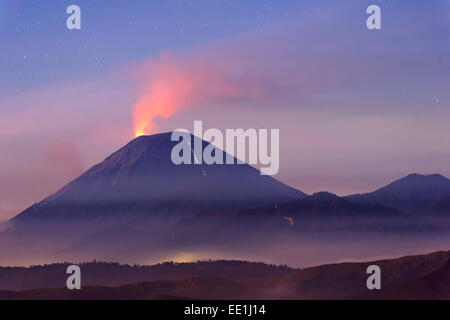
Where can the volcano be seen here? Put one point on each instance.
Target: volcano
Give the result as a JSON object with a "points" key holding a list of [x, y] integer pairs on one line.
{"points": [[141, 180], [132, 200]]}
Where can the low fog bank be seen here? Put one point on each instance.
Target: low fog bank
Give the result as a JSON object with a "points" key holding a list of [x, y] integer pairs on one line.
{"points": [[307, 250], [158, 240]]}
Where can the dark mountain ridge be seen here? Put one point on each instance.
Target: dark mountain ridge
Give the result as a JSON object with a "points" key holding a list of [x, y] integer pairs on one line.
{"points": [[433, 286], [417, 194], [325, 211]]}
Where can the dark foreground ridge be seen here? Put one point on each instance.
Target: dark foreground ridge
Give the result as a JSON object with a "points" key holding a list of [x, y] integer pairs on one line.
{"points": [[411, 277]]}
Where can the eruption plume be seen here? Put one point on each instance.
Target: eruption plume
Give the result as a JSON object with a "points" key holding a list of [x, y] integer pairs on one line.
{"points": [[192, 82]]}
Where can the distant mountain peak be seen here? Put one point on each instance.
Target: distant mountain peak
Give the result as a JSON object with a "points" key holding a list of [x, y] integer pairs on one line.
{"points": [[414, 193], [325, 195], [433, 176], [416, 181]]}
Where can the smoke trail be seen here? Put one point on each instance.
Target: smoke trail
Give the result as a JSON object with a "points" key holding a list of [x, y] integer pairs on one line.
{"points": [[179, 83]]}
